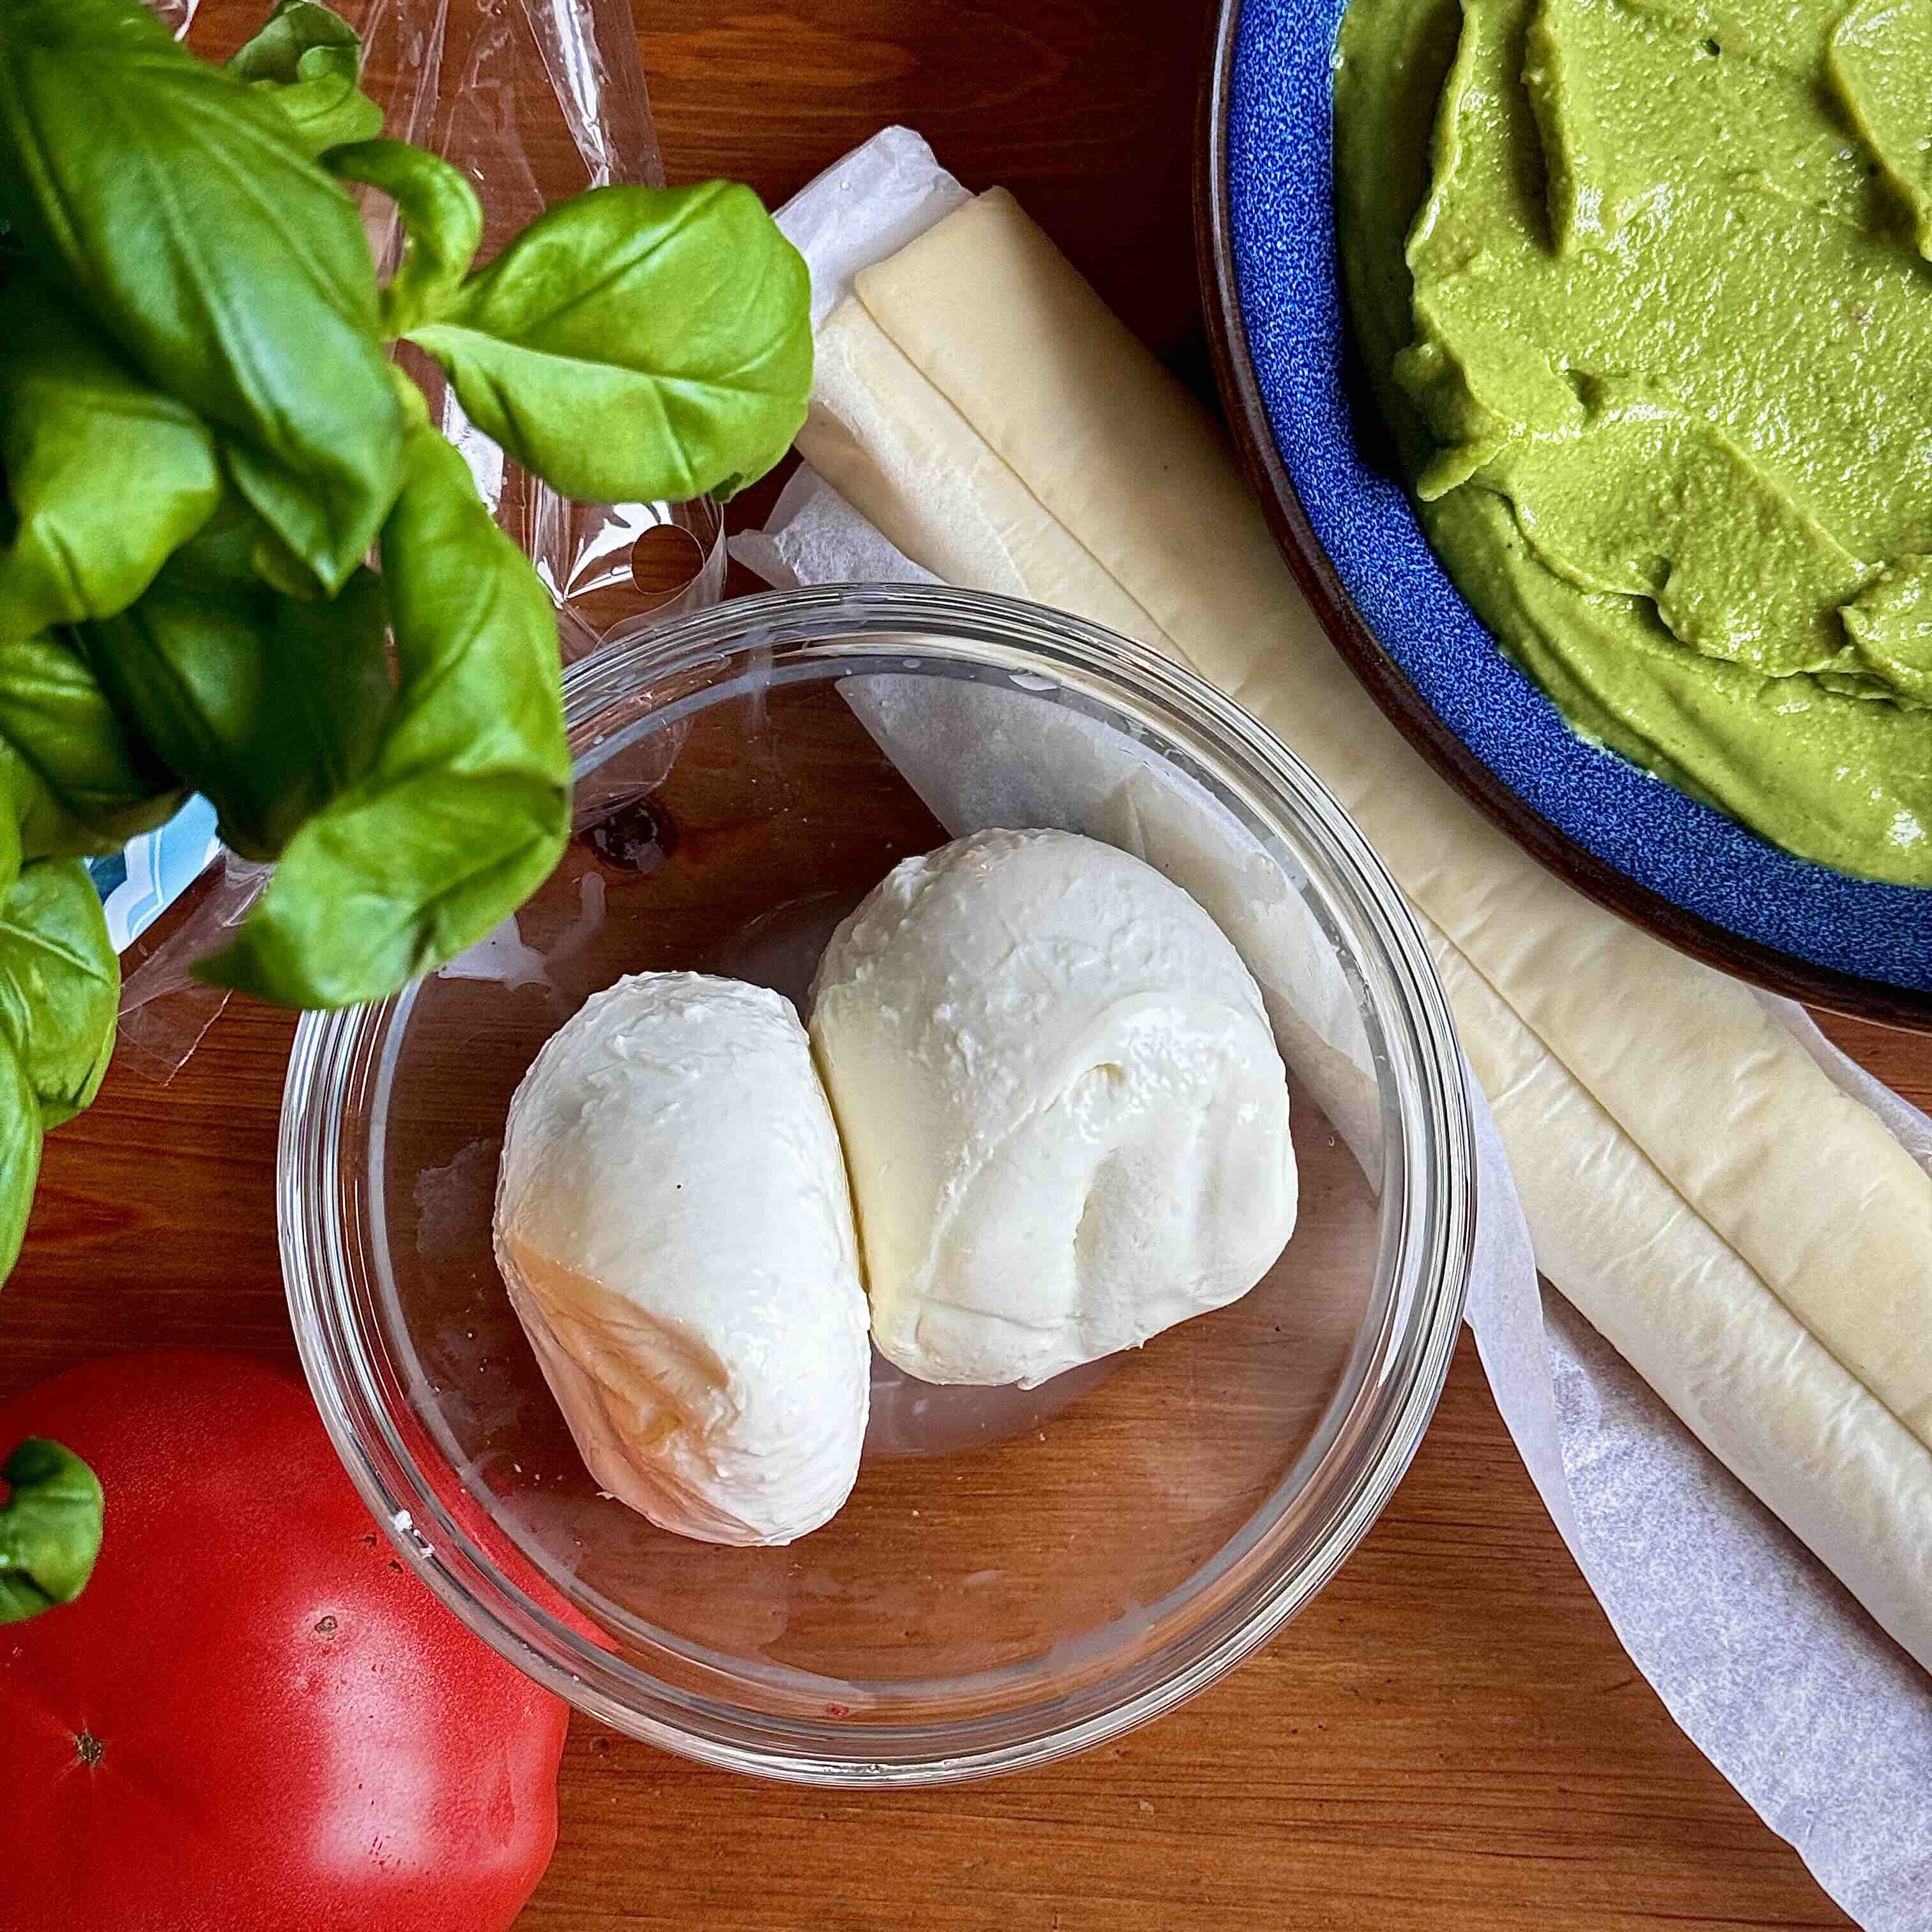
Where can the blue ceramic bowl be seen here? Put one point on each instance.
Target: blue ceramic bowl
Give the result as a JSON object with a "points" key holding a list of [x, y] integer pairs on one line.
{"points": [[1694, 876]]}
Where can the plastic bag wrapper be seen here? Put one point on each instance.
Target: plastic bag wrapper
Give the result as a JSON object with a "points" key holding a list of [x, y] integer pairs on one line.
{"points": [[537, 101], [164, 1010], [534, 101]]}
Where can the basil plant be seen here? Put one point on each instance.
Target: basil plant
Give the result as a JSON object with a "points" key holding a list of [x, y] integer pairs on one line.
{"points": [[236, 556]]}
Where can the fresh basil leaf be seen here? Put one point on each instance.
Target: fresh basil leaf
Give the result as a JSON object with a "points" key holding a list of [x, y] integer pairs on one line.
{"points": [[32, 823], [467, 807], [107, 475], [72, 779], [269, 705], [60, 984], [177, 205], [280, 569], [442, 225], [233, 549], [50, 1528], [308, 61], [636, 342], [21, 1136]]}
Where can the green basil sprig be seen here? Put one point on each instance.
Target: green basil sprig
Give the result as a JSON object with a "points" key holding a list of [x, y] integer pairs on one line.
{"points": [[309, 61], [73, 778], [442, 225], [108, 476], [564, 351], [179, 210], [466, 806], [70, 782], [60, 980], [203, 434], [50, 1528], [269, 704]]}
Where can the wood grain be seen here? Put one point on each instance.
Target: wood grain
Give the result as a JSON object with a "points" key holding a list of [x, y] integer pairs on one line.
{"points": [[1450, 1738]]}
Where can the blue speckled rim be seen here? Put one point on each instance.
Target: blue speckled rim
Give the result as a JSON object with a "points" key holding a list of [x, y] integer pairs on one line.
{"points": [[1281, 219]]}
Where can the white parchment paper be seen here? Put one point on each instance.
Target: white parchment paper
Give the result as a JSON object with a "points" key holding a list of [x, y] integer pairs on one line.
{"points": [[1821, 1722]]}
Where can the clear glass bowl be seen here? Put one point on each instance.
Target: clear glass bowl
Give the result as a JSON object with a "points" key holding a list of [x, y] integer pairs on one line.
{"points": [[1017, 1575]]}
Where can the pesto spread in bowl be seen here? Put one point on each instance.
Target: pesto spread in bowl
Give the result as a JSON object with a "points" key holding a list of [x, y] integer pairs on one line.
{"points": [[1644, 289]]}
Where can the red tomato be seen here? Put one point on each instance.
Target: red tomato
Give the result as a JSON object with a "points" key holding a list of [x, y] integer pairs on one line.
{"points": [[254, 1717]]}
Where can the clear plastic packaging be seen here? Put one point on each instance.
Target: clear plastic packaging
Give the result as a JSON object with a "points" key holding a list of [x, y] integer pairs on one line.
{"points": [[164, 1010], [534, 101]]}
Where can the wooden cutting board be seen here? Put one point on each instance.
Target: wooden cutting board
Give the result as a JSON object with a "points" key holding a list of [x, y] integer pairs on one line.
{"points": [[1451, 1738]]}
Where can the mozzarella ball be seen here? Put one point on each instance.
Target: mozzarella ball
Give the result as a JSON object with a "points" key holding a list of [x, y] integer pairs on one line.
{"points": [[675, 1229], [1064, 1115]]}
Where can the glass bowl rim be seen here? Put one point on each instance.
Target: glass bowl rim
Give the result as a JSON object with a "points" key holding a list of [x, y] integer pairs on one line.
{"points": [[1436, 1243]]}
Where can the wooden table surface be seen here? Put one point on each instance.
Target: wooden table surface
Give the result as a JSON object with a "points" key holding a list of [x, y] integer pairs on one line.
{"points": [[1451, 1737]]}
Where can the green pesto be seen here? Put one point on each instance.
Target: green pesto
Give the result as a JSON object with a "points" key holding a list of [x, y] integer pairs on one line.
{"points": [[1644, 289]]}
